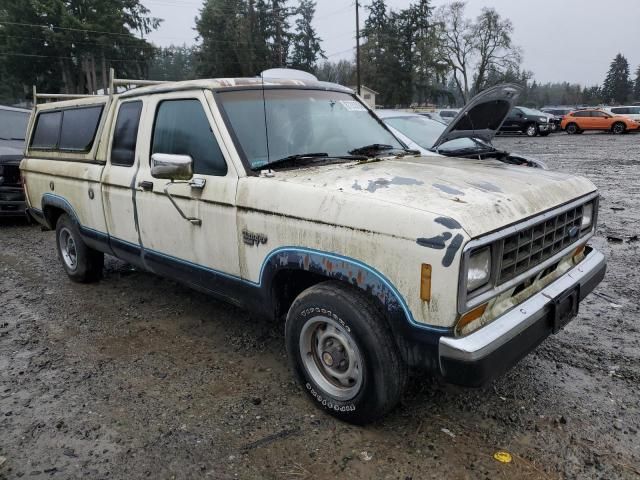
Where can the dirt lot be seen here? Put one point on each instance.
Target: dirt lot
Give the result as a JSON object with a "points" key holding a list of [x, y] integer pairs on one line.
{"points": [[139, 377]]}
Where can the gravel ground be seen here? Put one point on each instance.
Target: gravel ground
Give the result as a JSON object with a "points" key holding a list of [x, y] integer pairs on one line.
{"points": [[139, 377]]}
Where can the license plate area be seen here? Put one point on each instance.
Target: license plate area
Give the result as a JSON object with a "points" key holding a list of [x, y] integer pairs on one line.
{"points": [[564, 308]]}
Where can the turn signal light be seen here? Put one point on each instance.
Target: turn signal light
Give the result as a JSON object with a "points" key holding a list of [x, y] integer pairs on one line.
{"points": [[469, 317], [425, 283]]}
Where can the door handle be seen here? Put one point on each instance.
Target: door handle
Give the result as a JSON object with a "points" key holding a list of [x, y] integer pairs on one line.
{"points": [[145, 185]]}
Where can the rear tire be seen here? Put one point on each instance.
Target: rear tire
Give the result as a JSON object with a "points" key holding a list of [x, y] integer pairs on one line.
{"points": [[531, 130], [343, 353], [572, 129], [618, 128], [82, 264]]}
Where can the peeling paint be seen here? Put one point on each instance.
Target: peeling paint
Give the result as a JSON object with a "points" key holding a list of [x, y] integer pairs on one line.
{"points": [[447, 189], [452, 249], [384, 183], [439, 242], [448, 222], [376, 184], [405, 181], [487, 187]]}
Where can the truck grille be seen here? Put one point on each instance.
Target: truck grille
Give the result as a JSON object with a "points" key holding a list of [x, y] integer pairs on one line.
{"points": [[527, 248]]}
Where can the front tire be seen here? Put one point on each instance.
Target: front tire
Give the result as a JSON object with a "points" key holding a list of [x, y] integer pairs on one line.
{"points": [[618, 128], [82, 264], [531, 130], [572, 129], [343, 353]]}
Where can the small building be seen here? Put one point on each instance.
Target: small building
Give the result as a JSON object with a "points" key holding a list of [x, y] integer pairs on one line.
{"points": [[367, 94]]}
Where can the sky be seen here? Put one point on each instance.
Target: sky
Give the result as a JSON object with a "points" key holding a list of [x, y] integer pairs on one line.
{"points": [[562, 40]]}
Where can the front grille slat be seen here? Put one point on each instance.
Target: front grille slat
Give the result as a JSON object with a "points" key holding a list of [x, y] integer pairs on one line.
{"points": [[530, 247]]}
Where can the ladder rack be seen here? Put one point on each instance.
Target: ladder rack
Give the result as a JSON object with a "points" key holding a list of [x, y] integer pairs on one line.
{"points": [[114, 83]]}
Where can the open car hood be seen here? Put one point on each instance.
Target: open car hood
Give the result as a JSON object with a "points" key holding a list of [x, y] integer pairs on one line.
{"points": [[483, 116]]}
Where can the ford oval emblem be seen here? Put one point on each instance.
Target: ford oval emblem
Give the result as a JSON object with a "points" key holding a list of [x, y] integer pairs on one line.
{"points": [[573, 231]]}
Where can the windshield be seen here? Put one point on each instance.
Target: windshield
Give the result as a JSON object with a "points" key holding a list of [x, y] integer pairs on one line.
{"points": [[288, 122], [425, 132], [13, 125], [529, 111]]}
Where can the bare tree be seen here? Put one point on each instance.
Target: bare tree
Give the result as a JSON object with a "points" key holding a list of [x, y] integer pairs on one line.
{"points": [[472, 49], [493, 46], [455, 44]]}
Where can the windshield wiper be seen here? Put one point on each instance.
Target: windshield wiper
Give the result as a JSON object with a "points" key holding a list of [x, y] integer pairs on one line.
{"points": [[374, 147], [292, 159], [381, 147]]}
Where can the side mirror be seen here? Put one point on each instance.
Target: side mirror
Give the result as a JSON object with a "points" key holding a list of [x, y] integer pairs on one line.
{"points": [[171, 167]]}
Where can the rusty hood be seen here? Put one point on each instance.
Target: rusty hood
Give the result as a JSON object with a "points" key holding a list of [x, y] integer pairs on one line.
{"points": [[480, 195]]}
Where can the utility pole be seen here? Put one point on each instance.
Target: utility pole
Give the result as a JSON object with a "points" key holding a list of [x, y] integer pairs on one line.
{"points": [[358, 47]]}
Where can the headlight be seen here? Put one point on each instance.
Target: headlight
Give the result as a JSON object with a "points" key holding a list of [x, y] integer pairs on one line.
{"points": [[479, 269], [544, 120], [587, 216]]}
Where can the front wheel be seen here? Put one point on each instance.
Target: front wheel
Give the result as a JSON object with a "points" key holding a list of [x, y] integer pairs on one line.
{"points": [[81, 263], [531, 130], [572, 129], [343, 353], [619, 128]]}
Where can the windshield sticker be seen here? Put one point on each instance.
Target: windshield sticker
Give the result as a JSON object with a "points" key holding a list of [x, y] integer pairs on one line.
{"points": [[353, 106]]}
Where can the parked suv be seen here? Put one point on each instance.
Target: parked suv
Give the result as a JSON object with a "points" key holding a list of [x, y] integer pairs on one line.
{"points": [[527, 121], [13, 127], [596, 119], [292, 199], [632, 112]]}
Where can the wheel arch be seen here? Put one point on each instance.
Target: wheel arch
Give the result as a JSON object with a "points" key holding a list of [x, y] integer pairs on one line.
{"points": [[53, 206], [288, 271]]}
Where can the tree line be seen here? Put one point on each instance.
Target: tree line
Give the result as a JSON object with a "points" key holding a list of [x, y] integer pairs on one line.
{"points": [[413, 56]]}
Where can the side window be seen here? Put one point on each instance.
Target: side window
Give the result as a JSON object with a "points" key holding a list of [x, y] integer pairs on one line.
{"points": [[47, 130], [73, 129], [79, 126], [581, 114], [125, 135], [599, 115], [182, 128]]}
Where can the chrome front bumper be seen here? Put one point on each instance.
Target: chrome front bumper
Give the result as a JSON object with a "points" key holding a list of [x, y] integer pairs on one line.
{"points": [[488, 352]]}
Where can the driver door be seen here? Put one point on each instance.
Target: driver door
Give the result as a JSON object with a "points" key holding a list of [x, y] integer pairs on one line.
{"points": [[181, 123], [600, 121]]}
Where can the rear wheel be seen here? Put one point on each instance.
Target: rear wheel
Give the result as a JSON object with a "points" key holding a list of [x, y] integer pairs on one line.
{"points": [[531, 130], [82, 264], [572, 129], [619, 128], [343, 353]]}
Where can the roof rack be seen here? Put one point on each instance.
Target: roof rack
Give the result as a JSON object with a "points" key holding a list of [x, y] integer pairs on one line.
{"points": [[114, 83]]}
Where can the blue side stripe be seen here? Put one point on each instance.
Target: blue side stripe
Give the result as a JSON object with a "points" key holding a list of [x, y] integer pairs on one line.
{"points": [[330, 256]]}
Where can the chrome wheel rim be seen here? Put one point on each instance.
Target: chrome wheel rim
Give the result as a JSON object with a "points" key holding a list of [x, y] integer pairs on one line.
{"points": [[531, 131], [331, 357], [68, 249]]}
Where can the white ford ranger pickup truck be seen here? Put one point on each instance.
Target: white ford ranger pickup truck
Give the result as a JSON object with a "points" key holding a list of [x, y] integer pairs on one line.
{"points": [[292, 199]]}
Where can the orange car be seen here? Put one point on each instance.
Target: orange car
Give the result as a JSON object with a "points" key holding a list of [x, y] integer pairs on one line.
{"points": [[595, 119]]}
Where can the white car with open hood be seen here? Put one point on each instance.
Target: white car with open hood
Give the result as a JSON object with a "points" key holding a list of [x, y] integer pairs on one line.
{"points": [[289, 197]]}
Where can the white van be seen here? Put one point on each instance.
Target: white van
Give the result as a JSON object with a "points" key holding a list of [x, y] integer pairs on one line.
{"points": [[630, 111]]}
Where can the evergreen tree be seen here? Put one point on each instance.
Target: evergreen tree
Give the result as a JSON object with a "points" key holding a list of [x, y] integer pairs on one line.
{"points": [[68, 46], [636, 86], [306, 43], [618, 86], [221, 26], [174, 63]]}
